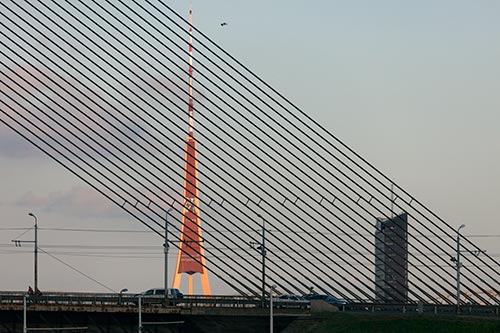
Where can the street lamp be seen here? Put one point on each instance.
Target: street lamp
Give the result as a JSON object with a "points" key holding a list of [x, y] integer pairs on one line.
{"points": [[36, 252], [165, 251], [271, 325], [261, 247], [124, 290], [458, 266]]}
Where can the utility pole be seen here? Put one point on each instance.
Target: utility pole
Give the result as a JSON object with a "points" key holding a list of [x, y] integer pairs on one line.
{"points": [[19, 242], [263, 252], [261, 247], [165, 251], [458, 267], [392, 200], [36, 252]]}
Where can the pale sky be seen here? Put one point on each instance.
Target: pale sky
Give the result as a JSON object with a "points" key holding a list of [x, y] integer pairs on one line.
{"points": [[412, 86]]}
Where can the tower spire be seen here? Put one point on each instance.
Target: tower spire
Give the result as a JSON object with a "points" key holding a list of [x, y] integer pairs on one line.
{"points": [[191, 110], [191, 258]]}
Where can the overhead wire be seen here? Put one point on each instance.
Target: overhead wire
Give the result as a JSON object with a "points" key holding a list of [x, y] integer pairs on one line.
{"points": [[77, 270], [212, 231], [23, 233]]}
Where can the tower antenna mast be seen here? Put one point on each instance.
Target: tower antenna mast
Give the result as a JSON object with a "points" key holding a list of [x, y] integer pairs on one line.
{"points": [[191, 109], [191, 258]]}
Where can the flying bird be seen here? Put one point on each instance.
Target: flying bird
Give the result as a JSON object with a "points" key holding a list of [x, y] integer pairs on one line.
{"points": [[223, 24]]}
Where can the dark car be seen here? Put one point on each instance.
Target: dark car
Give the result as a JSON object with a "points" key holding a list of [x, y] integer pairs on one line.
{"points": [[327, 298], [157, 296], [172, 292]]}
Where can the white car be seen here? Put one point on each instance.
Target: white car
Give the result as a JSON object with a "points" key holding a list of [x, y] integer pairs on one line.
{"points": [[290, 301]]}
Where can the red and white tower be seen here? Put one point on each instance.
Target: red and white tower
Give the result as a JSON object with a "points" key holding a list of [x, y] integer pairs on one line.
{"points": [[190, 258]]}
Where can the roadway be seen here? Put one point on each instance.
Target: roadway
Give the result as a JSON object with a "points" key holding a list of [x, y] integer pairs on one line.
{"points": [[115, 312]]}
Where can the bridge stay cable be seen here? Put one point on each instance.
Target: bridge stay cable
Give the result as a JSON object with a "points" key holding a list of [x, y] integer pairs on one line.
{"points": [[129, 28], [434, 263], [472, 292], [315, 123], [117, 29]]}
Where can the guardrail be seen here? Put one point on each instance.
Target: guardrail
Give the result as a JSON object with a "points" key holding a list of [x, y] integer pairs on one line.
{"points": [[412, 308], [223, 301], [92, 299]]}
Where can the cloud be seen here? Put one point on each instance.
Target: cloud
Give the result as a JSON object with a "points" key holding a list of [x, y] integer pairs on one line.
{"points": [[29, 198], [13, 145], [82, 202], [85, 202], [78, 201], [72, 105]]}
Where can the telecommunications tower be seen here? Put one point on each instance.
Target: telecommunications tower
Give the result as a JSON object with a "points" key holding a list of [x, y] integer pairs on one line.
{"points": [[190, 258]]}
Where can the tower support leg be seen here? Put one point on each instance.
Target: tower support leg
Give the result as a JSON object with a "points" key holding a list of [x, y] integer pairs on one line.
{"points": [[190, 288], [205, 285]]}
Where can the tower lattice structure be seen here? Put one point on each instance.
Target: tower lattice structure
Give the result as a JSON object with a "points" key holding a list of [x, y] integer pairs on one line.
{"points": [[190, 257]]}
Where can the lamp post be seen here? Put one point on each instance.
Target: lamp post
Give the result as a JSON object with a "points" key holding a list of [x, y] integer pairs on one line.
{"points": [[263, 252], [36, 252], [124, 290], [271, 325], [165, 251], [458, 266], [261, 247]]}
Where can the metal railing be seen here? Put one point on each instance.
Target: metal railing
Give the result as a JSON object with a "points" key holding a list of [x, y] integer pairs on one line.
{"points": [[112, 299], [224, 301]]}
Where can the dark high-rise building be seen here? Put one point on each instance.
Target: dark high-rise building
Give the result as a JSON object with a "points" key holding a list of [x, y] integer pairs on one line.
{"points": [[391, 258]]}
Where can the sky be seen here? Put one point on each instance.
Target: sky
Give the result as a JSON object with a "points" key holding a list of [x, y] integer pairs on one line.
{"points": [[412, 86]]}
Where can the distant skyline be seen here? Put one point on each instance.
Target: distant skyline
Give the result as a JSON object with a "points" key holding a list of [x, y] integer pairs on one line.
{"points": [[411, 86]]}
